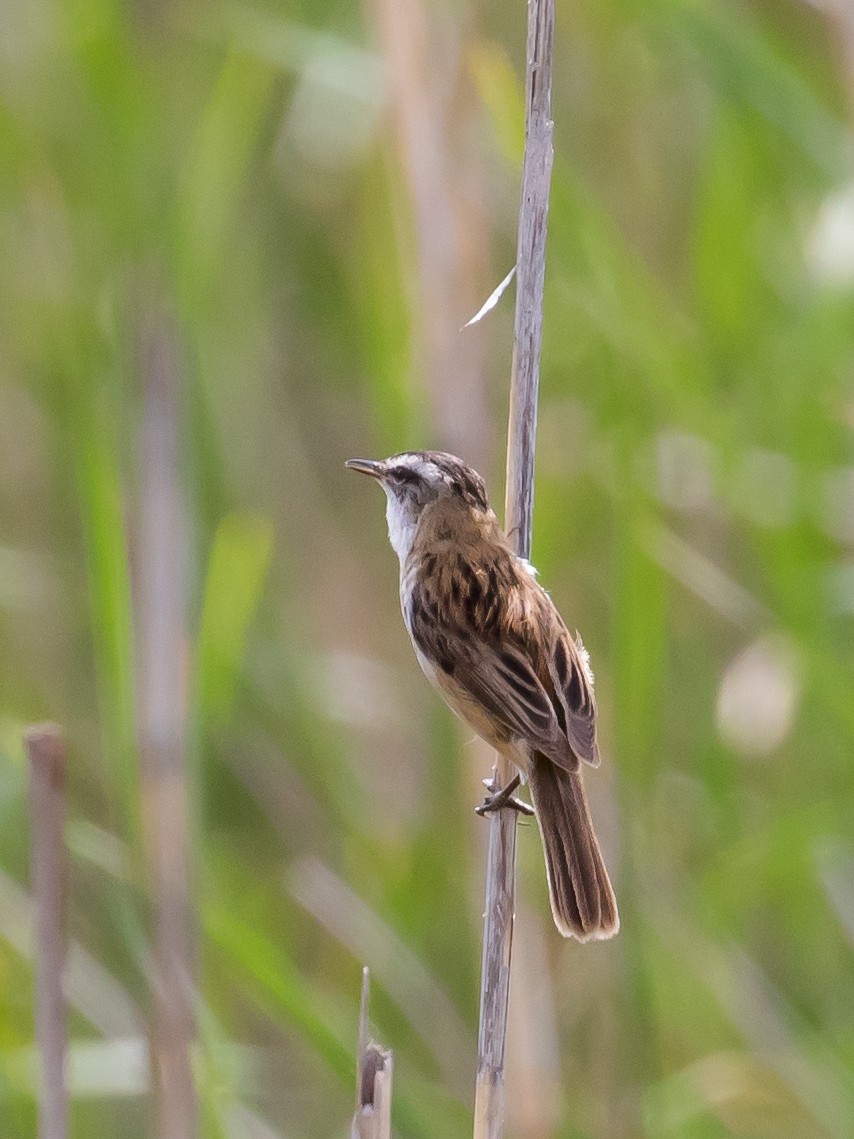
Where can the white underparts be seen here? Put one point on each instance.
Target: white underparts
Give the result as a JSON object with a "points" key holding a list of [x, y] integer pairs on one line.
{"points": [[402, 523]]}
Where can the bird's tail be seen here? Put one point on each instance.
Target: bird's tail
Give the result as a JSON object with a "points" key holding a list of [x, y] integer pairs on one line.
{"points": [[583, 902]]}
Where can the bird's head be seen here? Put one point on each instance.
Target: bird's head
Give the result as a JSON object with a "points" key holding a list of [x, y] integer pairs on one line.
{"points": [[413, 480]]}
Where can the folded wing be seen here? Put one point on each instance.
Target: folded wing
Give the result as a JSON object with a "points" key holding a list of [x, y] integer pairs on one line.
{"points": [[504, 645]]}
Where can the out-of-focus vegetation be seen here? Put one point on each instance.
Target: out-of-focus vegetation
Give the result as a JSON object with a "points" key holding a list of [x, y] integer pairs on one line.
{"points": [[236, 247]]}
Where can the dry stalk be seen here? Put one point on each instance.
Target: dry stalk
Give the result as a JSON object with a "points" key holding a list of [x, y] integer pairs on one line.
{"points": [[372, 1117], [519, 500], [159, 596], [424, 67], [46, 753]]}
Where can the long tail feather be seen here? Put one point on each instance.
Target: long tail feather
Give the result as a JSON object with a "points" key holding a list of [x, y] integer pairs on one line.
{"points": [[583, 902]]}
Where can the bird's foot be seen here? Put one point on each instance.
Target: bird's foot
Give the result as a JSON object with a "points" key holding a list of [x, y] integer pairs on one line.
{"points": [[497, 799]]}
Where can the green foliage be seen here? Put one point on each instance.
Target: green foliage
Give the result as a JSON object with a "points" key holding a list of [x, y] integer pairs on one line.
{"points": [[260, 174]]}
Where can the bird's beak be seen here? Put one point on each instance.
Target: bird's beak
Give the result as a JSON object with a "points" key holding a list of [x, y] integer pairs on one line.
{"points": [[366, 467]]}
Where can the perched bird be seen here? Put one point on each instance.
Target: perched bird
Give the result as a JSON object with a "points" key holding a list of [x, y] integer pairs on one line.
{"points": [[490, 639]]}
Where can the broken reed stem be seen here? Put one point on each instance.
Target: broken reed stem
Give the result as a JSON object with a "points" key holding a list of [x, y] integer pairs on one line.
{"points": [[374, 1067], [46, 753], [519, 502]]}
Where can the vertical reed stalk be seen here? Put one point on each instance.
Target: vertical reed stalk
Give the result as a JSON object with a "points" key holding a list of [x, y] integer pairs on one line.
{"points": [[47, 760], [372, 1118], [160, 601], [519, 500]]}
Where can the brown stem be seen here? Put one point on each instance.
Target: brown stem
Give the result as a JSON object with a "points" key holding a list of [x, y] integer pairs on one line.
{"points": [[159, 595], [46, 753], [372, 1118], [427, 100], [519, 501]]}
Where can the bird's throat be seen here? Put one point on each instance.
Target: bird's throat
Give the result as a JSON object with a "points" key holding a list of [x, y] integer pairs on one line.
{"points": [[402, 524]]}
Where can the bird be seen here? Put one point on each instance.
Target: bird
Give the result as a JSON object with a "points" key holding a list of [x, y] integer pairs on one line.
{"points": [[490, 639]]}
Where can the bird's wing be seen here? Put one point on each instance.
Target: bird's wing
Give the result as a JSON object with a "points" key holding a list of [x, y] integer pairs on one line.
{"points": [[573, 687], [482, 645]]}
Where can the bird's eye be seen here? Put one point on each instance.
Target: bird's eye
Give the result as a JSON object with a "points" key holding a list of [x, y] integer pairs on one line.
{"points": [[404, 475]]}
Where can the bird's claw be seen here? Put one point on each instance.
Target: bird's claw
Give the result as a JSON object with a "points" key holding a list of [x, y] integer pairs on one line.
{"points": [[497, 799]]}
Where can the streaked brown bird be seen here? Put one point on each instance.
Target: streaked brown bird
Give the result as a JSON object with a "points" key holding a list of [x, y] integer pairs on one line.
{"points": [[489, 637]]}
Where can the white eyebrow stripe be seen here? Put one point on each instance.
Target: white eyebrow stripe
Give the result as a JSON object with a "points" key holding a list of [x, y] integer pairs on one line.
{"points": [[408, 459], [424, 467]]}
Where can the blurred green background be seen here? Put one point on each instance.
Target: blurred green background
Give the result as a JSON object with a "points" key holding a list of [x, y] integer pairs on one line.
{"points": [[237, 244]]}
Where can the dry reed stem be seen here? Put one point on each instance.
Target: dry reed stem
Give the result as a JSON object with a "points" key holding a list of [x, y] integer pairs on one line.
{"points": [[519, 500], [160, 618], [374, 1068], [430, 106], [46, 753]]}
